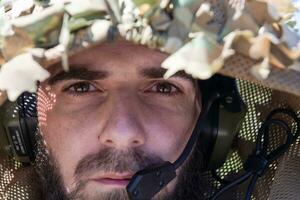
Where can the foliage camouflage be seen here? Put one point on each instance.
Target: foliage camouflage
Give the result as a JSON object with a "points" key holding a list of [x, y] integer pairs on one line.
{"points": [[198, 35]]}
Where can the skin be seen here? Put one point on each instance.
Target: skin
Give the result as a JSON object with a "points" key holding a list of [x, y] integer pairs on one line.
{"points": [[122, 111]]}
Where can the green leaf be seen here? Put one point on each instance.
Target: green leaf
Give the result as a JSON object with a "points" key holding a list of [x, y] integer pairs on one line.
{"points": [[141, 2]]}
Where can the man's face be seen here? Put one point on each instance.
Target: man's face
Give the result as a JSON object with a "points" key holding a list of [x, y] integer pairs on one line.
{"points": [[112, 115]]}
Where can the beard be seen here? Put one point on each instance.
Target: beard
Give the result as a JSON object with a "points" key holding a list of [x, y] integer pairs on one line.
{"points": [[189, 185]]}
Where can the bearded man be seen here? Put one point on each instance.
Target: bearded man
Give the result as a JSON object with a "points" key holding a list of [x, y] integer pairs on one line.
{"points": [[111, 115]]}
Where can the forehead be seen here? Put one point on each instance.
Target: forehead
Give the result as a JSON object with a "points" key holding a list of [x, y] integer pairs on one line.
{"points": [[115, 61], [117, 57]]}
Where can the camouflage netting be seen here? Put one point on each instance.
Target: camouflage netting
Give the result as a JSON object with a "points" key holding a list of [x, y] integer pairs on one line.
{"points": [[200, 35], [281, 181]]}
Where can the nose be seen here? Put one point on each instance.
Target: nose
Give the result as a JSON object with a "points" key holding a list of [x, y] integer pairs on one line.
{"points": [[123, 128]]}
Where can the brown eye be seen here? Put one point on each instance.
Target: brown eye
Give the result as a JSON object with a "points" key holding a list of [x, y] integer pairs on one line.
{"points": [[164, 88], [82, 87]]}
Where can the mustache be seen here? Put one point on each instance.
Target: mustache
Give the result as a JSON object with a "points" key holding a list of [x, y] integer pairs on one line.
{"points": [[115, 161]]}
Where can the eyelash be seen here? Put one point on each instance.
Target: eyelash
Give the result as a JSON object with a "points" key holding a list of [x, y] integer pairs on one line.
{"points": [[152, 89], [76, 93], [165, 83]]}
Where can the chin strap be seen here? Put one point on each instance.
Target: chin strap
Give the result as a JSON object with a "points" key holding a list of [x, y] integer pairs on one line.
{"points": [[148, 182]]}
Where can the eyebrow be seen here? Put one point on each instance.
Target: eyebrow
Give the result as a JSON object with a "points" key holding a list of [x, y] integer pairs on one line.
{"points": [[80, 72], [159, 73]]}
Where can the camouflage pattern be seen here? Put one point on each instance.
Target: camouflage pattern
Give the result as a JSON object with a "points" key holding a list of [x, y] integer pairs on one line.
{"points": [[198, 35]]}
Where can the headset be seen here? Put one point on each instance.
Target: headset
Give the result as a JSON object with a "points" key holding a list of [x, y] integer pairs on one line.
{"points": [[223, 120], [215, 130], [18, 124]]}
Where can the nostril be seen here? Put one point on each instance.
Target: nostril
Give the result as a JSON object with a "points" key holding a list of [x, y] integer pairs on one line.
{"points": [[109, 141], [135, 142]]}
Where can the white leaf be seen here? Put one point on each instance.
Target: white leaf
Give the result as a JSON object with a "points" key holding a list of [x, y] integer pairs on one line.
{"points": [[20, 74], [5, 25], [21, 6], [99, 30], [238, 6], [78, 7], [64, 40], [200, 58], [261, 70]]}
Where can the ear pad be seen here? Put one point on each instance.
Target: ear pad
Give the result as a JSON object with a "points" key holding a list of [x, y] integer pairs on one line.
{"points": [[222, 121], [18, 126], [29, 120]]}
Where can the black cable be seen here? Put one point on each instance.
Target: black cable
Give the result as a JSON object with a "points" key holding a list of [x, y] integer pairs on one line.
{"points": [[233, 183], [251, 187], [218, 178], [260, 159], [194, 137]]}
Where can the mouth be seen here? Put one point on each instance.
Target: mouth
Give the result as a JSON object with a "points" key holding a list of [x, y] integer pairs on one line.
{"points": [[114, 179]]}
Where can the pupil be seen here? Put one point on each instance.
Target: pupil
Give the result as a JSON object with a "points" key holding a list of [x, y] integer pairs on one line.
{"points": [[164, 88], [83, 87]]}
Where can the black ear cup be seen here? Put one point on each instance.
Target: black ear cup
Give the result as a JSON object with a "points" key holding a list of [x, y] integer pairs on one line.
{"points": [[29, 121], [222, 121], [18, 127]]}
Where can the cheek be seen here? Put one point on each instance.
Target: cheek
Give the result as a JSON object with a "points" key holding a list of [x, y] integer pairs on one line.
{"points": [[169, 129], [64, 134], [69, 141]]}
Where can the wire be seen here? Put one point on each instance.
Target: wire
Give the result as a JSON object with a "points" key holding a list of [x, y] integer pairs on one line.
{"points": [[251, 187], [218, 178], [194, 137], [258, 162], [235, 182]]}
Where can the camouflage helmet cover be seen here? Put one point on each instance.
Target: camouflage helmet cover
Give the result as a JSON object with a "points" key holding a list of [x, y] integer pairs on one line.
{"points": [[200, 36]]}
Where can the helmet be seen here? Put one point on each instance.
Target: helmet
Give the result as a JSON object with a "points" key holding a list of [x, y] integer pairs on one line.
{"points": [[246, 41]]}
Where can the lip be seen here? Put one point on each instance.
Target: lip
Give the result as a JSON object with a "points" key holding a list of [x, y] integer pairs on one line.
{"points": [[114, 179]]}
